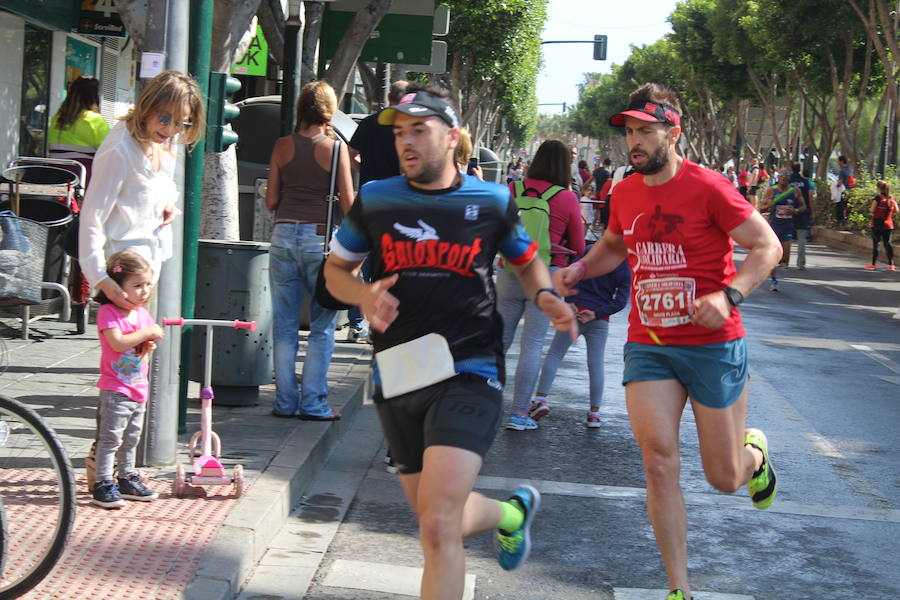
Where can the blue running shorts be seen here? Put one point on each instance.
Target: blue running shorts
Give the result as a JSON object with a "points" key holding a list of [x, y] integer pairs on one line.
{"points": [[713, 374]]}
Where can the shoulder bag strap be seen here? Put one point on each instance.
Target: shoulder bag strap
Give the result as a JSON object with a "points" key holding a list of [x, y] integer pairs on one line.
{"points": [[331, 198]]}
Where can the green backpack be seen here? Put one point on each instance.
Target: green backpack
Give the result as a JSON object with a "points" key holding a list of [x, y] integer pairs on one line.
{"points": [[534, 213]]}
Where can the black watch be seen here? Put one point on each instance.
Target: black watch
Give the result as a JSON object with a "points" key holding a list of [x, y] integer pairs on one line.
{"points": [[547, 290], [734, 296]]}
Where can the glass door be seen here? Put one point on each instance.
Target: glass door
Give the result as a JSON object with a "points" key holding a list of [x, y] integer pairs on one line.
{"points": [[35, 92]]}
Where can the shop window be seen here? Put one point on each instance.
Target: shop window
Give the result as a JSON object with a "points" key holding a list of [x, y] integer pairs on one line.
{"points": [[35, 92]]}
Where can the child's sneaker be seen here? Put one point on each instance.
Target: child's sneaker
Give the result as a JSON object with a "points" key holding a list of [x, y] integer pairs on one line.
{"points": [[519, 422], [869, 267], [892, 268], [106, 494], [593, 420], [539, 408], [132, 488]]}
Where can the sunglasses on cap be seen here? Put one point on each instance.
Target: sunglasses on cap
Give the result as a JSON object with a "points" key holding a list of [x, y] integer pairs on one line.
{"points": [[650, 112], [166, 120]]}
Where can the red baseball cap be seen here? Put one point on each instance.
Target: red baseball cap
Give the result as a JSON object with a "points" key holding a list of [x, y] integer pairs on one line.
{"points": [[651, 112]]}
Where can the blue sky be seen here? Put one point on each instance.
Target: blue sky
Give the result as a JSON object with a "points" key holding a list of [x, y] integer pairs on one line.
{"points": [[564, 64]]}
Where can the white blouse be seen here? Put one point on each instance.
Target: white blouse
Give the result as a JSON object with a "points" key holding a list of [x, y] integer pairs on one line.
{"points": [[124, 204]]}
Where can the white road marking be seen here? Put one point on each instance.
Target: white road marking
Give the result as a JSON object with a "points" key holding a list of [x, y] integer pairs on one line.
{"points": [[877, 357], [890, 379], [837, 291], [641, 594], [388, 579], [737, 501]]}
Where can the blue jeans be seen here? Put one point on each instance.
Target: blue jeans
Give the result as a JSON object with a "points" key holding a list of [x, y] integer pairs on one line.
{"points": [[512, 304], [294, 259], [595, 333]]}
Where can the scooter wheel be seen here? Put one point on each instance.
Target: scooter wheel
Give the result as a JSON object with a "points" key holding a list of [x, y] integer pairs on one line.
{"points": [[238, 480], [178, 483]]}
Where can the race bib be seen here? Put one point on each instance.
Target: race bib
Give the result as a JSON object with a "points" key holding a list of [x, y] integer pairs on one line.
{"points": [[414, 365], [666, 301], [784, 211]]}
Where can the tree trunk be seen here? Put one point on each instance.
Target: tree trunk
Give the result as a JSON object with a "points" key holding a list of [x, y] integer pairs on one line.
{"points": [[219, 219], [312, 29], [351, 45], [271, 19], [134, 17]]}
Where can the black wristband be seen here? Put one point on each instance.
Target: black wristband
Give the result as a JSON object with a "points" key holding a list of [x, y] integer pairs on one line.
{"points": [[548, 290]]}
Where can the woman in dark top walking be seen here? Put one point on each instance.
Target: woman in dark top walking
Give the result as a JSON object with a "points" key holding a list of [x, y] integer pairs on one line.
{"points": [[299, 177]]}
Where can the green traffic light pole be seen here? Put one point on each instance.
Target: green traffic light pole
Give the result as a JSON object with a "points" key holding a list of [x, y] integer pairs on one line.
{"points": [[198, 63]]}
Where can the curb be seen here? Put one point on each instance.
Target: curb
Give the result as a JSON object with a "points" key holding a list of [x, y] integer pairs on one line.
{"points": [[857, 243], [250, 526]]}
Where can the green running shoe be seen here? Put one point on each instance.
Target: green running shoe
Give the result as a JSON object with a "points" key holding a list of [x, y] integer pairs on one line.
{"points": [[763, 485], [677, 595], [513, 549]]}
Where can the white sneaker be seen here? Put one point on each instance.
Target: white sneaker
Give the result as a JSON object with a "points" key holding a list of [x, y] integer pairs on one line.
{"points": [[593, 420]]}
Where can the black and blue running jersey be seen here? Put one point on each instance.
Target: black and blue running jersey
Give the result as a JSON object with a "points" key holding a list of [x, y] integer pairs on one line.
{"points": [[442, 243]]}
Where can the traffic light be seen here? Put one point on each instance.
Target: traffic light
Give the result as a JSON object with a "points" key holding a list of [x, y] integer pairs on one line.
{"points": [[599, 47], [219, 112]]}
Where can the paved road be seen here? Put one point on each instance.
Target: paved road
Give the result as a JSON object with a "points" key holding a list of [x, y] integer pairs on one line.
{"points": [[825, 369]]}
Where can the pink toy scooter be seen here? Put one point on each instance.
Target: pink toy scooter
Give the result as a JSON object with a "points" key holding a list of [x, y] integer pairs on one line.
{"points": [[208, 470]]}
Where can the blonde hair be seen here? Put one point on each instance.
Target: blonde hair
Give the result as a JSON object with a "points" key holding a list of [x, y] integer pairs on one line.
{"points": [[167, 93], [463, 148], [316, 105], [884, 187]]}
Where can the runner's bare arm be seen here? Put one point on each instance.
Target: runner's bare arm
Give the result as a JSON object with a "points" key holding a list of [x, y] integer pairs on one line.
{"points": [[378, 305], [534, 277], [603, 257], [757, 236]]}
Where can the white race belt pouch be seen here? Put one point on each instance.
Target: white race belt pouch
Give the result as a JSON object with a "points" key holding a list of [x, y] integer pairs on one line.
{"points": [[414, 365]]}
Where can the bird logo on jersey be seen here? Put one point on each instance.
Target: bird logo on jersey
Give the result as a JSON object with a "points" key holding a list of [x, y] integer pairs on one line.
{"points": [[422, 233]]}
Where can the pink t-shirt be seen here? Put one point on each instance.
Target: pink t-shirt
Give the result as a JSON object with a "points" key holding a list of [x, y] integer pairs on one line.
{"points": [[566, 225], [124, 372], [679, 250]]}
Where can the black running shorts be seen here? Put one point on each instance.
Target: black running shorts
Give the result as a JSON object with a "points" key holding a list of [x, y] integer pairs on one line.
{"points": [[463, 411]]}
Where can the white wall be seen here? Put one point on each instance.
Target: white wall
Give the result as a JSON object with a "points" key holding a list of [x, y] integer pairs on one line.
{"points": [[12, 40]]}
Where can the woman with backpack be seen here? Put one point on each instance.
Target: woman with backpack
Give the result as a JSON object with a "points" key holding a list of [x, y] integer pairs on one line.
{"points": [[551, 214], [883, 208]]}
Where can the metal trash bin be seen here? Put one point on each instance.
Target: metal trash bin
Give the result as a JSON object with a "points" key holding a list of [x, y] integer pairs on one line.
{"points": [[233, 283], [492, 168]]}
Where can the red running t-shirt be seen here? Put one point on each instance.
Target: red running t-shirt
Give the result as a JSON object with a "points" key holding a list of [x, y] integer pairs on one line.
{"points": [[679, 250]]}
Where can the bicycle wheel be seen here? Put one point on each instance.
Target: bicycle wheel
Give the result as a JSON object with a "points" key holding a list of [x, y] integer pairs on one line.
{"points": [[37, 486]]}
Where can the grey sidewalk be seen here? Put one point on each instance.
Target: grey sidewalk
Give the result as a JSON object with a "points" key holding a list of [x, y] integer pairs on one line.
{"points": [[54, 372]]}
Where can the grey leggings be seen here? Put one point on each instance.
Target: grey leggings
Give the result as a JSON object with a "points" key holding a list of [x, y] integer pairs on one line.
{"points": [[121, 420]]}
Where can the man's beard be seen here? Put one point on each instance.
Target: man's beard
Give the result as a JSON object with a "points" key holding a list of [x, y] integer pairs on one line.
{"points": [[655, 163], [430, 172]]}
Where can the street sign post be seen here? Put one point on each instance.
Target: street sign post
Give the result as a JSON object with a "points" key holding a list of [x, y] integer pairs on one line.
{"points": [[404, 35]]}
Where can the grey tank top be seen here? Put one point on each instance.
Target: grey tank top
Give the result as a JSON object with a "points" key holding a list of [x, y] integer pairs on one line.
{"points": [[304, 184]]}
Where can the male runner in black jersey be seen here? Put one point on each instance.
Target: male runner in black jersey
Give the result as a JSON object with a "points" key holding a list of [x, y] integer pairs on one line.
{"points": [[433, 235]]}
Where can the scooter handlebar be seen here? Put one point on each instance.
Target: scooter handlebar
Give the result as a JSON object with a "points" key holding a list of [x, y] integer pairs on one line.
{"points": [[249, 325], [176, 322]]}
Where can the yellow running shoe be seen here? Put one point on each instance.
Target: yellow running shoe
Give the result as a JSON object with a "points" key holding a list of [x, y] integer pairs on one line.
{"points": [[677, 595], [762, 486]]}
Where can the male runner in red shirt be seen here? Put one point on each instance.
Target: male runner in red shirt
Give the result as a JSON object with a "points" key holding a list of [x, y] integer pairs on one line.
{"points": [[677, 223]]}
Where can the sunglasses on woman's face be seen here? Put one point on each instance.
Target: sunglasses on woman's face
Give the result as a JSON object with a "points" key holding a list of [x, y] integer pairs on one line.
{"points": [[166, 120]]}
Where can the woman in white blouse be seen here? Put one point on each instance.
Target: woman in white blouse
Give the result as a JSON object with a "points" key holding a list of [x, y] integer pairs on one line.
{"points": [[131, 197]]}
